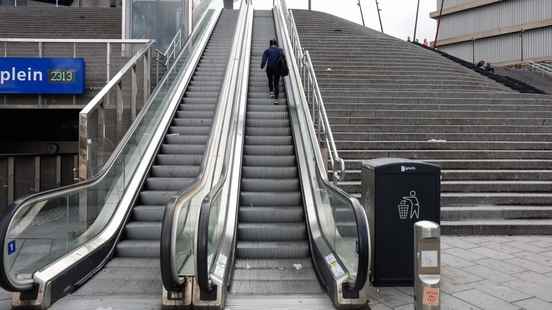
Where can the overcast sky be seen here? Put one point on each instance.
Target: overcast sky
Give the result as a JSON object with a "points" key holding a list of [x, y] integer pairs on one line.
{"points": [[398, 16]]}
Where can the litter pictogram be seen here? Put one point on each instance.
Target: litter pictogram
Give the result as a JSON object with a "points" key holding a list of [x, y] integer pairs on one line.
{"points": [[409, 207]]}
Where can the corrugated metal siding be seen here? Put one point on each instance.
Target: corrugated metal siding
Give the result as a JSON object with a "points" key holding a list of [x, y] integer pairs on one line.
{"points": [[487, 18], [449, 3], [536, 44], [462, 50]]}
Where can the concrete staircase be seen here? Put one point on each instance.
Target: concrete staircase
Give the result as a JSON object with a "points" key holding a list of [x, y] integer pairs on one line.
{"points": [[388, 98]]}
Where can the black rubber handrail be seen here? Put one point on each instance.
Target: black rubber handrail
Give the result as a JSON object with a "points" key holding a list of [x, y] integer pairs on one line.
{"points": [[202, 263]]}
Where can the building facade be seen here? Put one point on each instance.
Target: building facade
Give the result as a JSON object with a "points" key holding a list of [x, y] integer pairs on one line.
{"points": [[503, 32]]}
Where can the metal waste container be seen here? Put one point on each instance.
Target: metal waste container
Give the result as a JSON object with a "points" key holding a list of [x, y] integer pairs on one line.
{"points": [[397, 193]]}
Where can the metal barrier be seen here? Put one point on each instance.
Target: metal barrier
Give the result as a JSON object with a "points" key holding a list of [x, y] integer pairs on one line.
{"points": [[316, 102], [427, 265], [543, 68]]}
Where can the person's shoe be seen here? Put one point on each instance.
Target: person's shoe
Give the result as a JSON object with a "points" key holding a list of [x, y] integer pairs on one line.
{"points": [[271, 95], [276, 100]]}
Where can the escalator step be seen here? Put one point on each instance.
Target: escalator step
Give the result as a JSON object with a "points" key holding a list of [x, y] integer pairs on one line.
{"points": [[269, 150], [134, 248], [261, 131], [289, 249], [269, 185], [148, 213], [175, 171], [143, 231], [273, 161], [175, 184], [255, 199], [268, 140], [156, 197], [179, 159], [182, 149], [270, 214], [272, 231], [186, 139]]}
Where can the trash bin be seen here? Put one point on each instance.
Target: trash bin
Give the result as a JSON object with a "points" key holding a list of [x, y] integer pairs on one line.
{"points": [[397, 193]]}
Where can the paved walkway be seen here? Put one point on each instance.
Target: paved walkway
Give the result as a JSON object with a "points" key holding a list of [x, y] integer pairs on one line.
{"points": [[501, 273]]}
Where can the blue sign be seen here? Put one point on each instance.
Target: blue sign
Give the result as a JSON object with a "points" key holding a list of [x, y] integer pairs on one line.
{"points": [[11, 247], [42, 75]]}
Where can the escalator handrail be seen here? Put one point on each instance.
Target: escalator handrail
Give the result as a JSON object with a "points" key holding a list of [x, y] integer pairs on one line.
{"points": [[32, 199], [363, 230], [202, 252], [170, 276]]}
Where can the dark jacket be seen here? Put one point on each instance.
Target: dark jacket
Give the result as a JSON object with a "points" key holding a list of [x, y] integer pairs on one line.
{"points": [[272, 56]]}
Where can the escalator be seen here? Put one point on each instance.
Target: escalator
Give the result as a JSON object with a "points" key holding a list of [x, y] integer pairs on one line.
{"points": [[134, 269], [99, 240], [274, 231], [273, 255]]}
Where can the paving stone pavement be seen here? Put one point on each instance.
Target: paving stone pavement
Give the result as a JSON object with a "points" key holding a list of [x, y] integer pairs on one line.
{"points": [[478, 272]]}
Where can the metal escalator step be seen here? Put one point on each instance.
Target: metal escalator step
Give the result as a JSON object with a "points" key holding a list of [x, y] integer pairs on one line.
{"points": [[263, 172], [186, 139], [280, 264], [266, 108], [195, 114], [176, 184], [181, 119], [274, 274], [197, 107], [182, 149], [269, 185], [282, 290], [272, 231], [175, 171], [266, 101], [203, 94], [255, 199], [269, 131], [271, 115], [289, 249], [269, 214], [179, 159], [186, 101], [156, 197], [182, 128], [269, 161], [143, 231], [267, 123], [268, 140], [135, 248], [148, 213], [269, 150]]}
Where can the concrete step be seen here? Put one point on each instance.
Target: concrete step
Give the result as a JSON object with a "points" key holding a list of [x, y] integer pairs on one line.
{"points": [[522, 212], [444, 145], [474, 175], [474, 164], [443, 120], [448, 154], [440, 129], [435, 137], [497, 227]]}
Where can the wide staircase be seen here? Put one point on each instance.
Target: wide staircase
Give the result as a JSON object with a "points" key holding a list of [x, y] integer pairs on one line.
{"points": [[388, 98]]}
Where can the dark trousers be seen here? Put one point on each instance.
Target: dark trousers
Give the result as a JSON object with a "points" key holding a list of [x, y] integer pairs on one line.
{"points": [[273, 74]]}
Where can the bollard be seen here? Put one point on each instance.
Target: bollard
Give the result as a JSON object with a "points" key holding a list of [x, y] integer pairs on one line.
{"points": [[427, 265]]}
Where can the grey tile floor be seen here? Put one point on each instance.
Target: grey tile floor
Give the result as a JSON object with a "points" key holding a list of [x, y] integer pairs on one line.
{"points": [[490, 272]]}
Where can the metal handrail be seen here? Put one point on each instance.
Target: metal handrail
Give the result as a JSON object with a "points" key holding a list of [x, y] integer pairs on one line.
{"points": [[309, 136], [205, 274], [315, 101], [540, 67], [182, 201]]}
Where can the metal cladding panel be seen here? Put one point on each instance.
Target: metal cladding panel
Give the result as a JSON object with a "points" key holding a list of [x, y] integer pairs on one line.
{"points": [[499, 49], [493, 17], [537, 43], [450, 3], [507, 48], [462, 50]]}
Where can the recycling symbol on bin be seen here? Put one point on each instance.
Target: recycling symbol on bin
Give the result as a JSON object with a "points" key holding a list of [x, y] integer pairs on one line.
{"points": [[409, 207]]}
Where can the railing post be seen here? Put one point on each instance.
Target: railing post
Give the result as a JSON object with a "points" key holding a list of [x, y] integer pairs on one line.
{"points": [[40, 50], [120, 110], [36, 174], [147, 82], [11, 179], [108, 61], [133, 93]]}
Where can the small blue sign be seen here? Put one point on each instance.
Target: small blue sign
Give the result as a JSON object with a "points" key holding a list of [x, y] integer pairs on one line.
{"points": [[42, 75], [11, 247]]}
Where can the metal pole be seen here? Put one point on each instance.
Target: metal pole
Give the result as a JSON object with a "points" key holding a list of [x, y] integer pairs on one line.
{"points": [[361, 13], [427, 266], [379, 15], [416, 22], [438, 23], [310, 5]]}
